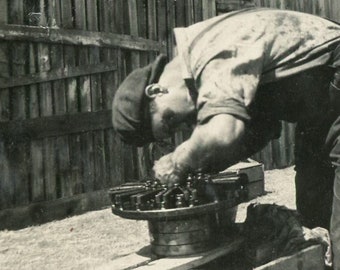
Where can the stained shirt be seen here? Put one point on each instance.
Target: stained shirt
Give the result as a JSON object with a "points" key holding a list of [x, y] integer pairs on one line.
{"points": [[231, 55]]}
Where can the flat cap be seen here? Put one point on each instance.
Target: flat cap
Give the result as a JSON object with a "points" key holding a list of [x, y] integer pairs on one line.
{"points": [[130, 116]]}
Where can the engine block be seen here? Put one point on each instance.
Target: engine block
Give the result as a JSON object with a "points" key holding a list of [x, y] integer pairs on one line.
{"points": [[189, 217]]}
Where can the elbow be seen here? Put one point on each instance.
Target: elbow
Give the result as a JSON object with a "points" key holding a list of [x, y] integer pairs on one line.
{"points": [[223, 131]]}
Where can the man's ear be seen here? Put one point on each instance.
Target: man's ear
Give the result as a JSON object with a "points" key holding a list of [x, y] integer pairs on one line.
{"points": [[154, 90]]}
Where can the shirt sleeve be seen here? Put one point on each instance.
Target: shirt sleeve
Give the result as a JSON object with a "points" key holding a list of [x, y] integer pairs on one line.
{"points": [[228, 83]]}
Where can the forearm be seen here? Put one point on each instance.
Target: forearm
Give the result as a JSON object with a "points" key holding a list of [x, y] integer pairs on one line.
{"points": [[213, 146]]}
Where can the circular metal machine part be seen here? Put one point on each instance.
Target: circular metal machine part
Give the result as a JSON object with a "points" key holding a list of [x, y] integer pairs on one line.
{"points": [[186, 219]]}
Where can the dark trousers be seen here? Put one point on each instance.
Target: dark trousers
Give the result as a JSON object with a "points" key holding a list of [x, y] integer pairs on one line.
{"points": [[317, 152], [333, 141], [314, 179]]}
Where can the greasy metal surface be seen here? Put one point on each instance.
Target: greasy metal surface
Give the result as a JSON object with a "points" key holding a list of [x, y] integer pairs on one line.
{"points": [[187, 218], [181, 250], [173, 214], [178, 226]]}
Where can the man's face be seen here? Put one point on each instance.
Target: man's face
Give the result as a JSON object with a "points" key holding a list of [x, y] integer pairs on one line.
{"points": [[172, 113], [174, 108]]}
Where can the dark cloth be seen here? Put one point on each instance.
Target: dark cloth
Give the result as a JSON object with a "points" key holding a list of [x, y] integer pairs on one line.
{"points": [[130, 115], [272, 231], [304, 98], [333, 143]]}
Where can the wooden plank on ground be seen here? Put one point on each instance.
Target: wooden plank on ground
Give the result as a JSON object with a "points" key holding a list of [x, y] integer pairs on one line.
{"points": [[190, 262], [311, 258], [145, 260]]}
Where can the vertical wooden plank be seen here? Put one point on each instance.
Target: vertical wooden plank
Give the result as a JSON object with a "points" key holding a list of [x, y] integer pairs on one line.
{"points": [[290, 139], [150, 32], [86, 182], [110, 82], [266, 157], [6, 185], [171, 24], [59, 96], [198, 13], [3, 12], [18, 153], [323, 8], [146, 19], [71, 103], [209, 9], [336, 10], [162, 21], [189, 10], [135, 63], [46, 109], [109, 11], [152, 20], [180, 13], [102, 180], [37, 192]]}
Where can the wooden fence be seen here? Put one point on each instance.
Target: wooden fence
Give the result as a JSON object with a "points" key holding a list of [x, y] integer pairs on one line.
{"points": [[60, 64]]}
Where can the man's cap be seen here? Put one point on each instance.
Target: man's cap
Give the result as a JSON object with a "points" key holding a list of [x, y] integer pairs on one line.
{"points": [[130, 115]]}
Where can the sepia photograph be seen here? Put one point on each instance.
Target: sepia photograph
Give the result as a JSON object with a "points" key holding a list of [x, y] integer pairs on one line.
{"points": [[170, 134]]}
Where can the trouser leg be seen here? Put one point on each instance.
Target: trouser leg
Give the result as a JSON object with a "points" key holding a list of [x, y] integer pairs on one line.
{"points": [[333, 141], [314, 176], [314, 194], [335, 221]]}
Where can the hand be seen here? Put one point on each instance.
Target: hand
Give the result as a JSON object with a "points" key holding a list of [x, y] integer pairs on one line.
{"points": [[167, 171]]}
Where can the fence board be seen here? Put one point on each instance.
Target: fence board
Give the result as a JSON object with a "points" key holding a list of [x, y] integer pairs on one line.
{"points": [[36, 147], [88, 144], [17, 153], [46, 109], [180, 13], [6, 187], [56, 73], [100, 43], [116, 148], [77, 37], [117, 159], [87, 177], [59, 94], [209, 9], [97, 105], [72, 105]]}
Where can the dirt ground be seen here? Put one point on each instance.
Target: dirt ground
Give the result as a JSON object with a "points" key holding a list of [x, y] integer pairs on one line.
{"points": [[92, 240]]}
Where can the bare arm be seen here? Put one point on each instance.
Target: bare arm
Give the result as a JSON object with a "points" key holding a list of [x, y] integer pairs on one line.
{"points": [[211, 147], [214, 146]]}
